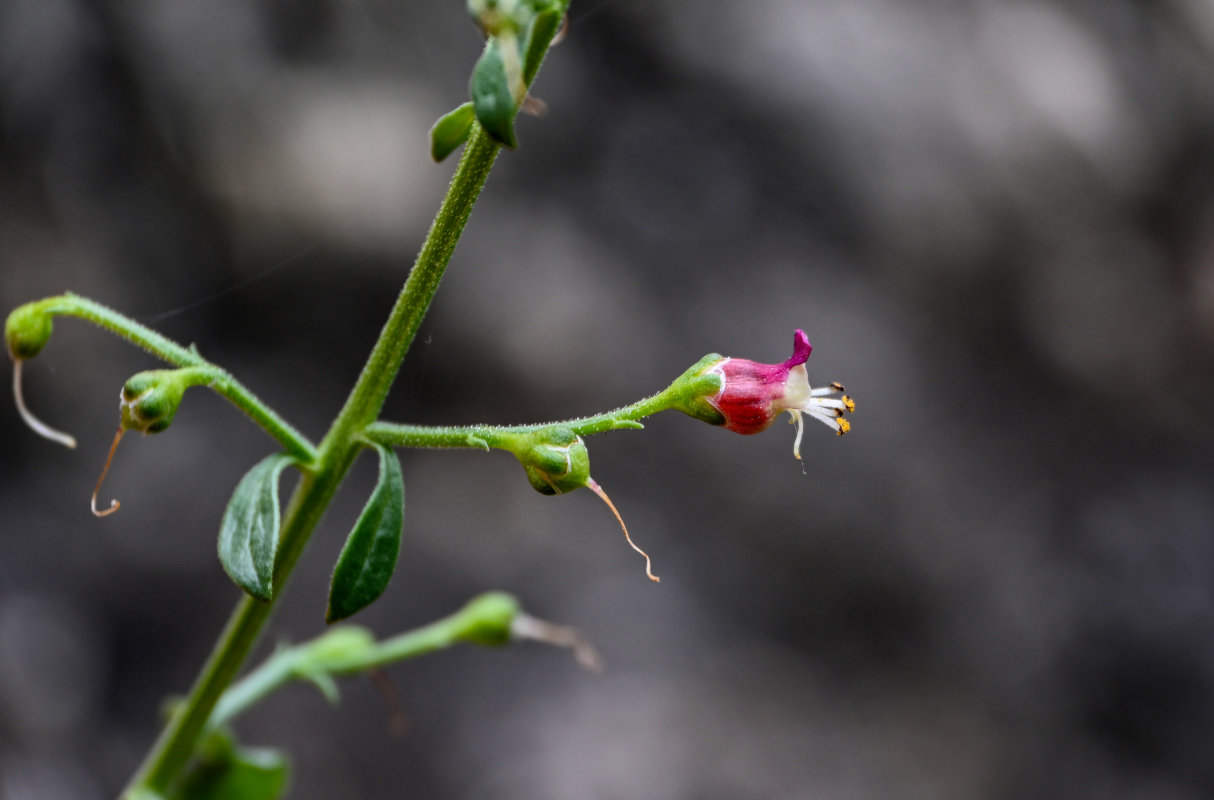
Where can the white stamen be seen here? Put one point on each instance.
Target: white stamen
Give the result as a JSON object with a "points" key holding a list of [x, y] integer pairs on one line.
{"points": [[827, 418], [38, 426]]}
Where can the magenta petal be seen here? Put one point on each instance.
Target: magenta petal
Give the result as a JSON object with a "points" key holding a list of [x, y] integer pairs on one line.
{"points": [[801, 348]]}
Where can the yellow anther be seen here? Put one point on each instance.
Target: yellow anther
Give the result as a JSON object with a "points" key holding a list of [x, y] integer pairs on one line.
{"points": [[844, 426], [851, 404]]}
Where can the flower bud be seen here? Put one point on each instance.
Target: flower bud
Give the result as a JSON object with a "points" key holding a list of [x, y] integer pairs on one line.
{"points": [[750, 395], [27, 330]]}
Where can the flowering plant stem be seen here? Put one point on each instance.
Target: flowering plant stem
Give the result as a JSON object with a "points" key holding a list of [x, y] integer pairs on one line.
{"points": [[217, 378], [483, 437], [323, 468], [348, 650]]}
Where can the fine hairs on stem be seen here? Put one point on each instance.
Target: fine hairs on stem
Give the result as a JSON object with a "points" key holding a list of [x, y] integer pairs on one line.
{"points": [[114, 504], [38, 426], [593, 485]]}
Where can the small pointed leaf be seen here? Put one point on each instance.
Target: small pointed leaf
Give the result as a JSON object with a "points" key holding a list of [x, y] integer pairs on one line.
{"points": [[451, 131], [248, 535], [325, 684], [539, 35], [369, 556], [490, 89]]}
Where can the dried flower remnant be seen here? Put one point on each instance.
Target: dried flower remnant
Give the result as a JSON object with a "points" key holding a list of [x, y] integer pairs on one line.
{"points": [[556, 461]]}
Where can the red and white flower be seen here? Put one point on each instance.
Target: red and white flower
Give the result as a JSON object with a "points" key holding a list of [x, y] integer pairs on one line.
{"points": [[752, 395]]}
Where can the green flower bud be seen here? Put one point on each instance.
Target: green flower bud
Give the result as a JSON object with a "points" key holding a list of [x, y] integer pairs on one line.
{"points": [[555, 459], [27, 330], [488, 619]]}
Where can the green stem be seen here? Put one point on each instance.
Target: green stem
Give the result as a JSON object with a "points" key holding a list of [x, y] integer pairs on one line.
{"points": [[299, 663], [368, 395], [492, 619], [71, 305], [217, 378], [395, 434], [176, 742], [335, 455]]}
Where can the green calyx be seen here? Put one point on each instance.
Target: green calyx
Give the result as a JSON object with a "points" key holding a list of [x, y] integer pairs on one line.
{"points": [[690, 391], [150, 399], [27, 330], [487, 620], [555, 458]]}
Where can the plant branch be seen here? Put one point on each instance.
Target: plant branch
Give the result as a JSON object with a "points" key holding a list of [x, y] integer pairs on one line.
{"points": [[334, 456], [492, 619], [396, 434], [219, 379], [368, 395]]}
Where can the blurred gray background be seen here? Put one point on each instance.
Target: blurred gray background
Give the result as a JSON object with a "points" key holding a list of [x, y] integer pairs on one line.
{"points": [[995, 220]]}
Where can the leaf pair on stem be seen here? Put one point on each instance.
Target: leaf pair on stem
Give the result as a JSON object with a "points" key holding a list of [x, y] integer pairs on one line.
{"points": [[248, 536]]}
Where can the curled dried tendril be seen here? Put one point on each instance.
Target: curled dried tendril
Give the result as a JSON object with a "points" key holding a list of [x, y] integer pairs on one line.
{"points": [[114, 504], [36, 425], [593, 486]]}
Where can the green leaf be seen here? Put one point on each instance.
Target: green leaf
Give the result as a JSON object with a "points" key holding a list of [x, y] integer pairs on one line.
{"points": [[451, 131], [248, 535], [538, 37], [369, 556], [245, 773], [490, 88]]}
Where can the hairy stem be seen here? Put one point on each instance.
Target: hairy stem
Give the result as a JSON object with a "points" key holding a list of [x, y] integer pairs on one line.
{"points": [[217, 378], [396, 434], [336, 453], [295, 663], [368, 395]]}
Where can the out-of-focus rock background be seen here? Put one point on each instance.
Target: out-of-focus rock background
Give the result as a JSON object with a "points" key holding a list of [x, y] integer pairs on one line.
{"points": [[995, 220]]}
